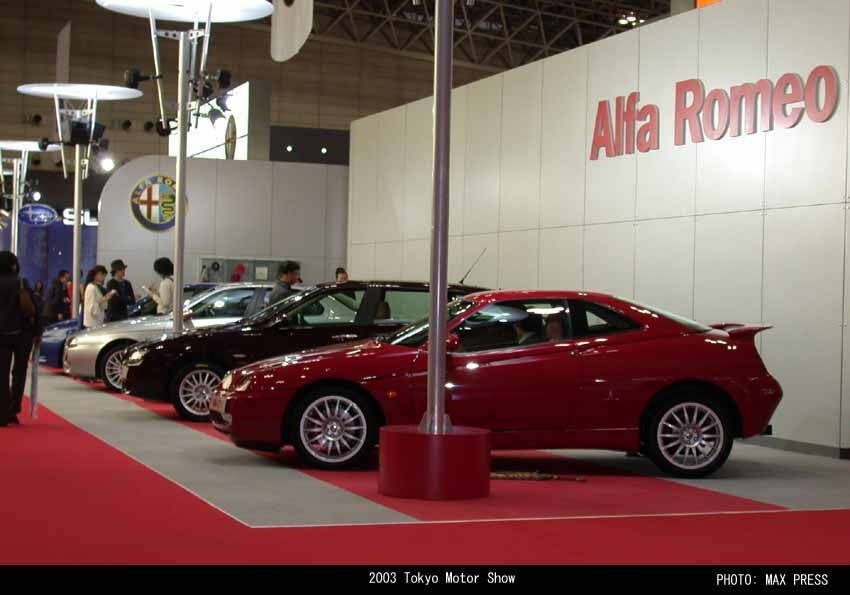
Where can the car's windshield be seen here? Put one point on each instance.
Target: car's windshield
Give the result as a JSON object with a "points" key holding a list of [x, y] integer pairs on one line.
{"points": [[415, 333], [271, 312], [692, 325]]}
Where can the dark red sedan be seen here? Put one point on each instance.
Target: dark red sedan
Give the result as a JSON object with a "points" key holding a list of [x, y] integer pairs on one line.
{"points": [[541, 369]]}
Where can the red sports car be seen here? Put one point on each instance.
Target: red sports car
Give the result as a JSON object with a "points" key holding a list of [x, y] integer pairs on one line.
{"points": [[541, 369]]}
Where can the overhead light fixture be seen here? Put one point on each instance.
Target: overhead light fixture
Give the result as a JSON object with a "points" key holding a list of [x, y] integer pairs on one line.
{"points": [[221, 102], [289, 148], [324, 150], [107, 164], [215, 115], [623, 21], [134, 76], [36, 196], [631, 18]]}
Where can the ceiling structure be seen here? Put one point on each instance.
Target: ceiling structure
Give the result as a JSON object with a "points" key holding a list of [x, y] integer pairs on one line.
{"points": [[492, 35]]}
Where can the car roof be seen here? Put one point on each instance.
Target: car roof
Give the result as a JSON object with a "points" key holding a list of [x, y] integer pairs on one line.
{"points": [[524, 294], [397, 284]]}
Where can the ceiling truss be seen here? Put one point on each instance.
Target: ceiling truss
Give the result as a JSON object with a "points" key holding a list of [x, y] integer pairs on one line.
{"points": [[490, 35]]}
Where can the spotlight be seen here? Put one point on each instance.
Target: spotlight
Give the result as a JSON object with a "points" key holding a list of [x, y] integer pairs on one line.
{"points": [[631, 18], [35, 120], [148, 126], [43, 144], [215, 115], [107, 164], [221, 102], [126, 125], [167, 128], [133, 77], [224, 78], [36, 196], [623, 21], [324, 150], [289, 148]]}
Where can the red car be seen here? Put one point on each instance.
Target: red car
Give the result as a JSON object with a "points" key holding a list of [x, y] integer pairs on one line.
{"points": [[541, 369]]}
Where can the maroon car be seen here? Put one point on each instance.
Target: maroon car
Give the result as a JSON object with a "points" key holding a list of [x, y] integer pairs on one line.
{"points": [[541, 369], [186, 369]]}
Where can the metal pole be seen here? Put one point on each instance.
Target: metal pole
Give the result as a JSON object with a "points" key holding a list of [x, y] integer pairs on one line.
{"points": [[16, 202], [78, 240], [435, 420], [180, 207]]}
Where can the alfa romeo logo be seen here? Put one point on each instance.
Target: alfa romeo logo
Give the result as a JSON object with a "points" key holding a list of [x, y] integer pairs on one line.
{"points": [[153, 202]]}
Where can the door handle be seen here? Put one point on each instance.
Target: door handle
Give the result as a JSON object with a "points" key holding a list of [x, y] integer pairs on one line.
{"points": [[344, 337]]}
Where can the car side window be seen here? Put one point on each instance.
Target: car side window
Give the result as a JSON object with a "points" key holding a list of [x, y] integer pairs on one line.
{"points": [[231, 303], [509, 324], [593, 320], [398, 306], [339, 307]]}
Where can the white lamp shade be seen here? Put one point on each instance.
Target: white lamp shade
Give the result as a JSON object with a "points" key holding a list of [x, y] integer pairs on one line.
{"points": [[188, 11], [75, 91]]}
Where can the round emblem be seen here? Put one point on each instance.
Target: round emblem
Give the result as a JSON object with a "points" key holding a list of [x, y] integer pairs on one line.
{"points": [[230, 138], [153, 202], [37, 215]]}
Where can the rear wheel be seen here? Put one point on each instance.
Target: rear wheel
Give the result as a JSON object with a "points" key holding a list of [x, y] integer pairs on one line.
{"points": [[334, 428], [690, 434], [110, 367], [192, 389]]}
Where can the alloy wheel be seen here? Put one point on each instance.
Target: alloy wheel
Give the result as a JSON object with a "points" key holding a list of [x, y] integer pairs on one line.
{"points": [[196, 390], [112, 369], [690, 435], [334, 428]]}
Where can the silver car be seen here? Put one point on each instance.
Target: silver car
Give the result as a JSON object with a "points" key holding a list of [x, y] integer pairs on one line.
{"points": [[98, 352]]}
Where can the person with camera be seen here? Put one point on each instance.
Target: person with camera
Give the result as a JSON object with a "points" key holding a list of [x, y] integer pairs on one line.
{"points": [[95, 297], [20, 325]]}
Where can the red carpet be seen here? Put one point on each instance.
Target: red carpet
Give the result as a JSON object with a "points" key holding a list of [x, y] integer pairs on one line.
{"points": [[73, 499]]}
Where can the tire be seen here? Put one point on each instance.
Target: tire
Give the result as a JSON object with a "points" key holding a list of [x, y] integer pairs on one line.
{"points": [[349, 437], [694, 420], [192, 388], [109, 365]]}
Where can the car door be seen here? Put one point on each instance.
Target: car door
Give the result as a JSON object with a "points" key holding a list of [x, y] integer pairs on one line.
{"points": [[222, 307], [605, 348], [334, 316], [514, 369]]}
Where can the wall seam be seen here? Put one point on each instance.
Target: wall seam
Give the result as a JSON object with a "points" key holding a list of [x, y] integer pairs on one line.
{"points": [[843, 355], [760, 340], [540, 171], [586, 162], [696, 183]]}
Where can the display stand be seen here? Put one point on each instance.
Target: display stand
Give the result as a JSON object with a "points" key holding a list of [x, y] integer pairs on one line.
{"points": [[191, 84], [76, 114], [434, 460]]}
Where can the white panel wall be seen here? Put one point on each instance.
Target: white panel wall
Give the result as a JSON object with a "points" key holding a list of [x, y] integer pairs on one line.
{"points": [[236, 209], [746, 229]]}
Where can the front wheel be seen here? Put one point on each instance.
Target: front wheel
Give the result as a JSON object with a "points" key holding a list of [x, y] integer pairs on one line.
{"points": [[110, 367], [690, 435], [334, 428], [192, 389]]}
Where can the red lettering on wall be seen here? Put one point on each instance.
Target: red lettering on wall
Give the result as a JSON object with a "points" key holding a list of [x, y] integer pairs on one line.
{"points": [[749, 94], [647, 137], [715, 114], [814, 110], [788, 91], [687, 116], [602, 138]]}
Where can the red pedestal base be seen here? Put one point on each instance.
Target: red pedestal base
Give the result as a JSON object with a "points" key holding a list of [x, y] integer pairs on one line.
{"points": [[450, 466]]}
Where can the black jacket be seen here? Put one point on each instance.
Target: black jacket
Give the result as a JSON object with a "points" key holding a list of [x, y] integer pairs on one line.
{"points": [[11, 318], [117, 307], [55, 303]]}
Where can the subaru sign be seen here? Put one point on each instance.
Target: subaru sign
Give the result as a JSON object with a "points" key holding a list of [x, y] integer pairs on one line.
{"points": [[38, 215]]}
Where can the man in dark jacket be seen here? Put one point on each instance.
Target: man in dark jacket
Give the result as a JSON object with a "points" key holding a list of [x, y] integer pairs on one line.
{"points": [[124, 297], [57, 307], [18, 328], [288, 274]]}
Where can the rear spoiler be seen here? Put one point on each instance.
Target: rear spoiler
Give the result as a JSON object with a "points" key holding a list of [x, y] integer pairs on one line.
{"points": [[741, 331]]}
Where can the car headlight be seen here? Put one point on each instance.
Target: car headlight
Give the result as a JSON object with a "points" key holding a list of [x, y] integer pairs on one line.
{"points": [[137, 356], [227, 381], [73, 341]]}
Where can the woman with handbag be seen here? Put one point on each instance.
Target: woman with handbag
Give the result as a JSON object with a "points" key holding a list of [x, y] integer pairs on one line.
{"points": [[19, 325]]}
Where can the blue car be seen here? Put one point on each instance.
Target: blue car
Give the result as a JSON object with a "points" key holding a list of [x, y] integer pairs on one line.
{"points": [[53, 340]]}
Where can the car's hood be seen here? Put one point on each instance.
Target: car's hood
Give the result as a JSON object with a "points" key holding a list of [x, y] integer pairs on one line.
{"points": [[360, 362], [142, 324]]}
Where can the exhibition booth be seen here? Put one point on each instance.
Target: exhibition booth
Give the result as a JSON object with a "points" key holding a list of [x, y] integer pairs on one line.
{"points": [[698, 163]]}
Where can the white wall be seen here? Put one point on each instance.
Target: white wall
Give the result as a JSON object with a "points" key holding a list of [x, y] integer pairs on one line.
{"points": [[747, 229], [237, 209]]}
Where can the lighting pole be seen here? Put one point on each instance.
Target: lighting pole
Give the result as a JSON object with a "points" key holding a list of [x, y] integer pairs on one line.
{"points": [[16, 201], [435, 420], [180, 181], [78, 232]]}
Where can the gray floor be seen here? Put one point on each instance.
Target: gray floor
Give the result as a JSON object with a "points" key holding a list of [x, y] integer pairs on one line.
{"points": [[213, 470], [262, 492]]}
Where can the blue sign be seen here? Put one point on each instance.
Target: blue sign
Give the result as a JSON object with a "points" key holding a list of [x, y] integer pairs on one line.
{"points": [[38, 215]]}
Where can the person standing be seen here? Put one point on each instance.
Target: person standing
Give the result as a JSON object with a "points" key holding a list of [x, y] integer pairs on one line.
{"points": [[95, 298], [164, 295], [288, 273], [124, 296], [20, 324], [58, 304], [341, 275]]}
